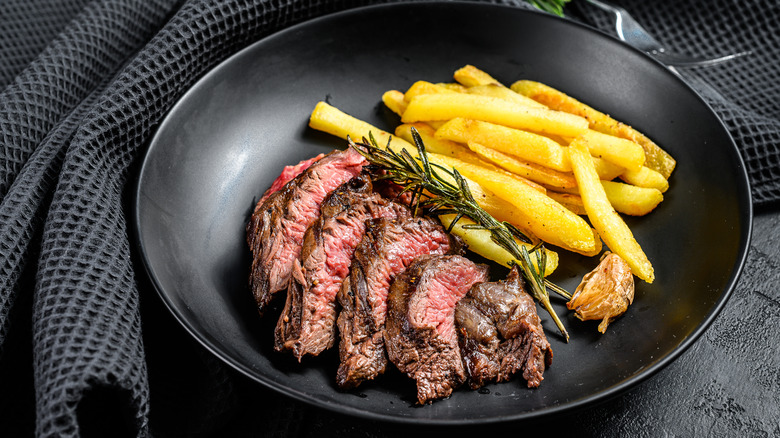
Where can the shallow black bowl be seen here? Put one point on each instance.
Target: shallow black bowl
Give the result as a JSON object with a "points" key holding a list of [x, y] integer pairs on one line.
{"points": [[232, 133]]}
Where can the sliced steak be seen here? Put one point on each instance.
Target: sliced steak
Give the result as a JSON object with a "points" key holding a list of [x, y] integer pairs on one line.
{"points": [[500, 333], [420, 330], [308, 322], [387, 249], [288, 173], [276, 228]]}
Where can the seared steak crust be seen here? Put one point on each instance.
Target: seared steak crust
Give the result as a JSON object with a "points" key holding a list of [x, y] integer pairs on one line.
{"points": [[276, 228], [308, 322], [500, 333], [387, 249], [420, 330]]}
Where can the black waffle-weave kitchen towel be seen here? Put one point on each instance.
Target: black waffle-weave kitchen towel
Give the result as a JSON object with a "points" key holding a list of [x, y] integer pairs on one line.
{"points": [[83, 84]]}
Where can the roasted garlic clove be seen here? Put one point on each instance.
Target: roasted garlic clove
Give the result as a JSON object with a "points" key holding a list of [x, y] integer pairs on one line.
{"points": [[605, 292]]}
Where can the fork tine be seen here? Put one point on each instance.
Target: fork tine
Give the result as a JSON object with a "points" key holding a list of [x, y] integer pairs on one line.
{"points": [[688, 61]]}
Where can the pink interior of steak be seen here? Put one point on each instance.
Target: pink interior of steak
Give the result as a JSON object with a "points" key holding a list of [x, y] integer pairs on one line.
{"points": [[339, 247], [315, 186], [444, 289], [288, 173], [406, 246]]}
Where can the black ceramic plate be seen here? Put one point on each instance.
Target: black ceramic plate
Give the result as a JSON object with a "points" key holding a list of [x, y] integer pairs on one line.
{"points": [[231, 134]]}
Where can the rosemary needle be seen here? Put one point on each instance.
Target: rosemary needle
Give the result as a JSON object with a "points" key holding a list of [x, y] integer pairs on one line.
{"points": [[442, 190], [551, 6]]}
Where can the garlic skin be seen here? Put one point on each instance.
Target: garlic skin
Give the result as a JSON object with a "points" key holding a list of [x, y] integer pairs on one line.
{"points": [[604, 293]]}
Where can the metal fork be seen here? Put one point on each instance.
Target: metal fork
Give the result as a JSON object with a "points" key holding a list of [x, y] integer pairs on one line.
{"points": [[630, 31]]}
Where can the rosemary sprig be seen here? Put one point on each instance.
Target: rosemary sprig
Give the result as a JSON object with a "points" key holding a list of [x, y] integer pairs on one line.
{"points": [[551, 6], [442, 190]]}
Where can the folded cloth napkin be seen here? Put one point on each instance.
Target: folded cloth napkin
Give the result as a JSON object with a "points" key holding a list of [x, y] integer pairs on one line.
{"points": [[84, 345]]}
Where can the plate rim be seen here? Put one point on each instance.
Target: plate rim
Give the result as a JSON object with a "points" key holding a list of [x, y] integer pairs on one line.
{"points": [[745, 215]]}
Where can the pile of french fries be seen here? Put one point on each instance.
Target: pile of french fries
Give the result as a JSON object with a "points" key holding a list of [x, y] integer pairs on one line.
{"points": [[532, 156]]}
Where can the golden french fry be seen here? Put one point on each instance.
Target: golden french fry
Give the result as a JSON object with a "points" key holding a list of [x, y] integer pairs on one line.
{"points": [[607, 171], [569, 200], [505, 93], [491, 109], [616, 150], [625, 198], [610, 226], [454, 86], [394, 100], [436, 124], [545, 218], [632, 200], [424, 87], [470, 76], [534, 172], [330, 119], [646, 177], [655, 157], [455, 150], [480, 242], [497, 207], [522, 144], [433, 144]]}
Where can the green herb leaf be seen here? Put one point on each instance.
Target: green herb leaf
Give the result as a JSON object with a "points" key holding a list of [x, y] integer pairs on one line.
{"points": [[551, 6]]}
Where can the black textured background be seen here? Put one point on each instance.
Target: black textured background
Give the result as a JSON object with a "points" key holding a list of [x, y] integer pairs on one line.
{"points": [[87, 349]]}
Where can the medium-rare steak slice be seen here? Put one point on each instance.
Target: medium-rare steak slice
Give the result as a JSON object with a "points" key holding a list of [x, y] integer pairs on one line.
{"points": [[276, 228], [500, 333], [308, 322], [420, 330], [387, 249], [288, 173]]}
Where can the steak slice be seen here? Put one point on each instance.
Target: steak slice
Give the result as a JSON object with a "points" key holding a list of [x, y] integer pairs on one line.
{"points": [[276, 228], [420, 330], [308, 322], [288, 173], [387, 249], [500, 333]]}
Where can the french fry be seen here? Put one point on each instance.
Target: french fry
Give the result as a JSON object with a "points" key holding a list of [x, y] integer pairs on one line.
{"points": [[632, 200], [569, 200], [470, 76], [454, 86], [433, 144], [455, 150], [492, 109], [480, 242], [607, 171], [534, 172], [616, 150], [655, 157], [424, 87], [330, 119], [625, 198], [545, 218], [436, 124], [610, 226], [646, 177], [502, 92], [394, 100], [522, 144], [497, 207]]}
